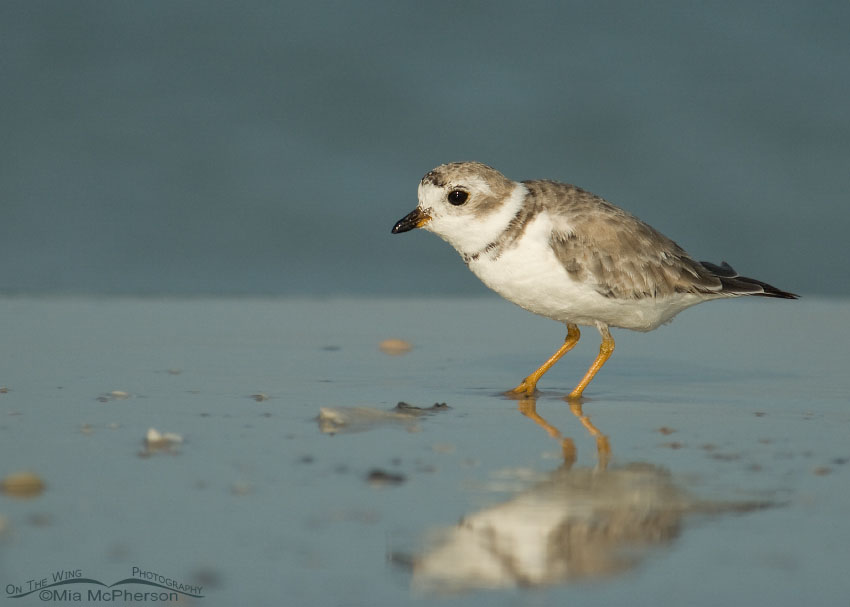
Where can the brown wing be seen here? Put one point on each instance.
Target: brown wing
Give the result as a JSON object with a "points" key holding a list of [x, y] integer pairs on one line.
{"points": [[620, 255]]}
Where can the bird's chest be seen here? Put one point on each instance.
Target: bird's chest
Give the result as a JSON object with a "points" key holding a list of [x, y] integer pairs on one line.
{"points": [[529, 275]]}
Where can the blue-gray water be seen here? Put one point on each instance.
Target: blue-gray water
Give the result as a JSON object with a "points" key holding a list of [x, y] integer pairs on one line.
{"points": [[726, 481], [268, 147]]}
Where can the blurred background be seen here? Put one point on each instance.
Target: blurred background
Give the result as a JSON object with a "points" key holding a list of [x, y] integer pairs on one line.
{"points": [[215, 147]]}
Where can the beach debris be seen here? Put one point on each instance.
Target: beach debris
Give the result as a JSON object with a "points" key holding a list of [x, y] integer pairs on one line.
{"points": [[161, 442], [383, 478], [114, 395], [208, 576], [395, 347], [403, 407], [241, 488], [88, 429], [40, 519], [443, 448], [334, 420], [22, 484]]}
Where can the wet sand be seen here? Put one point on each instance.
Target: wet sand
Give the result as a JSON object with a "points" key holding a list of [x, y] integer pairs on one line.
{"points": [[707, 465]]}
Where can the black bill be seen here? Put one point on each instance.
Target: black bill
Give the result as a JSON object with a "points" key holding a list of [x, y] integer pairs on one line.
{"points": [[415, 219]]}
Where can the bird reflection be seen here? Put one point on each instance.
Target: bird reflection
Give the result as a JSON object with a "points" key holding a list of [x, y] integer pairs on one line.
{"points": [[528, 407], [579, 522]]}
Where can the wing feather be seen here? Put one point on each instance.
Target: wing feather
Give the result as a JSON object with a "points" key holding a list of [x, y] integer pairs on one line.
{"points": [[621, 256]]}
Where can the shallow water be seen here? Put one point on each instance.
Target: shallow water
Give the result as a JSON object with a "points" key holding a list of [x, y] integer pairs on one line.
{"points": [[707, 465]]}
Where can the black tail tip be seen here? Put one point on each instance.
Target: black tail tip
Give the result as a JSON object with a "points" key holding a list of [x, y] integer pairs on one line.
{"points": [[742, 285], [778, 293]]}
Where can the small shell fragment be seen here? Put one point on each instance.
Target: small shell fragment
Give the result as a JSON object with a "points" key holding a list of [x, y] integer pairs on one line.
{"points": [[22, 484], [161, 442], [241, 488], [383, 478], [156, 438], [395, 347], [114, 395]]}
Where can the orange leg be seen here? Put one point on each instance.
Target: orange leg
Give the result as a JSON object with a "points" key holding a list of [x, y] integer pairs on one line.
{"points": [[605, 351], [529, 384]]}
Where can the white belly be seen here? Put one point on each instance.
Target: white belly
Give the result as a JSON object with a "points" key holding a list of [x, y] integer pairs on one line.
{"points": [[530, 276]]}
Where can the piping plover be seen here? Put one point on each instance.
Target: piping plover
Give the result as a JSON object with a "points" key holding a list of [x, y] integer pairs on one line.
{"points": [[564, 253]]}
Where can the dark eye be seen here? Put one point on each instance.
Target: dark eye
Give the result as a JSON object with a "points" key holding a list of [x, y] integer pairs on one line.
{"points": [[457, 197]]}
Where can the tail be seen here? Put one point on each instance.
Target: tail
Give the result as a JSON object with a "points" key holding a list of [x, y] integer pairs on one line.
{"points": [[733, 284]]}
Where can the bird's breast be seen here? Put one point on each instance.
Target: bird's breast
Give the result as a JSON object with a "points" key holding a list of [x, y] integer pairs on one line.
{"points": [[529, 274]]}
